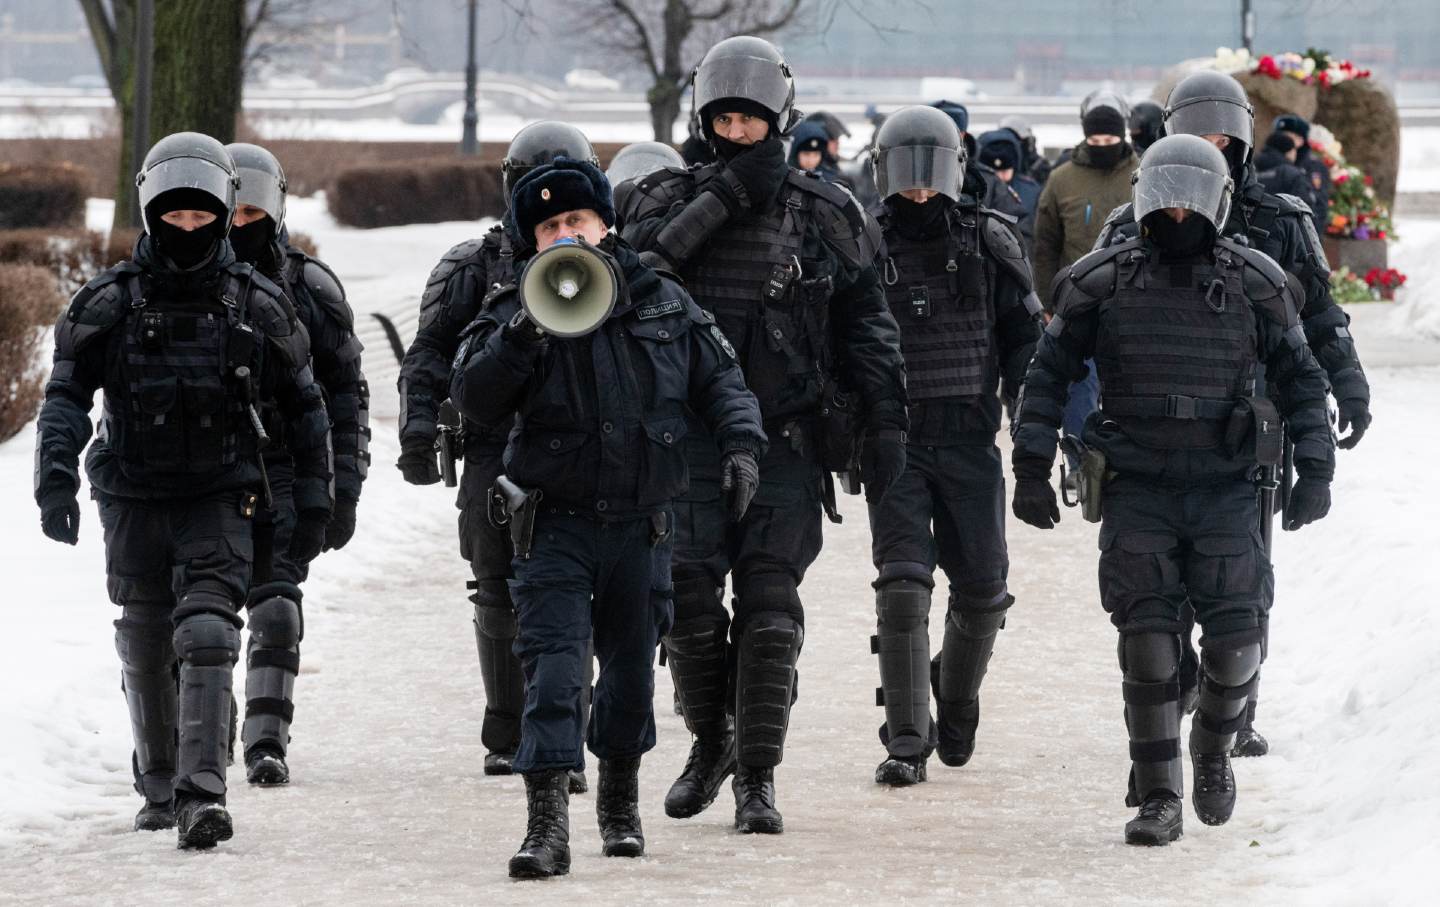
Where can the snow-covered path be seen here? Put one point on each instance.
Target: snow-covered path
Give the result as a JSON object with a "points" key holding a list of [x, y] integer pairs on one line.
{"points": [[389, 804]]}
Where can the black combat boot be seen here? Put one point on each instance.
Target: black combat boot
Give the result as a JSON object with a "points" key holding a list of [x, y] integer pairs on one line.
{"points": [[755, 811], [545, 852], [201, 822], [1159, 822], [957, 723], [617, 807], [1214, 796], [578, 783], [265, 767], [1248, 741], [901, 771], [499, 763], [711, 761], [155, 816]]}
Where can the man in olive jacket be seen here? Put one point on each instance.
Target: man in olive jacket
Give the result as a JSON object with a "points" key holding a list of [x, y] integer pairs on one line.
{"points": [[1080, 193]]}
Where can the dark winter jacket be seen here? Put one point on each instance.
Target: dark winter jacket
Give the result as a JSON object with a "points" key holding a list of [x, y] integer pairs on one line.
{"points": [[1072, 209]]}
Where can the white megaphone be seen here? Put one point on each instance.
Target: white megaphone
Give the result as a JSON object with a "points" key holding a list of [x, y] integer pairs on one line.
{"points": [[569, 289]]}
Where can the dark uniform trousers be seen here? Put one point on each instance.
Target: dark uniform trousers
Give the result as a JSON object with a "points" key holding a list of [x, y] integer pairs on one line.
{"points": [[167, 560], [585, 576], [277, 623]]}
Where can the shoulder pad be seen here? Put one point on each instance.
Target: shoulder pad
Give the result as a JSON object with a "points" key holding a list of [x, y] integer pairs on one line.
{"points": [[843, 224], [1087, 281], [1261, 271], [327, 292], [1290, 204], [440, 275], [1093, 262], [1000, 239], [1124, 214], [267, 307], [95, 309], [666, 186], [1119, 227]]}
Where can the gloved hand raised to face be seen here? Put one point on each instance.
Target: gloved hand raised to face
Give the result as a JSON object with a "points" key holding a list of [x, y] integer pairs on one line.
{"points": [[1034, 502], [60, 517], [308, 536], [739, 480], [1355, 416], [417, 460], [760, 171], [1309, 501]]}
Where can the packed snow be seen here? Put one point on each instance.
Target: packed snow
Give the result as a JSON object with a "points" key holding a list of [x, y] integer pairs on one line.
{"points": [[389, 805]]}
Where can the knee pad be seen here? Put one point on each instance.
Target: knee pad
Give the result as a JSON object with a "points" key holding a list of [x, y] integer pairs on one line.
{"points": [[697, 597], [208, 640], [143, 640], [1231, 666], [496, 623], [490, 594], [774, 593], [902, 605], [1149, 657], [275, 623], [891, 571], [979, 611]]}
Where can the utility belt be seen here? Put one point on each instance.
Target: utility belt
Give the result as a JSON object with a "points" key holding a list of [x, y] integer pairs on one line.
{"points": [[512, 505]]}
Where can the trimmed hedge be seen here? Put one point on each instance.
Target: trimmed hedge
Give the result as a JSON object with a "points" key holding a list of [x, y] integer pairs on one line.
{"points": [[419, 192], [73, 256], [29, 302], [42, 195]]}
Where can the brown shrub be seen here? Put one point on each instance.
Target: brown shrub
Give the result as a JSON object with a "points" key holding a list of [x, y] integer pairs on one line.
{"points": [[73, 256], [42, 195], [29, 301], [305, 243], [421, 192]]}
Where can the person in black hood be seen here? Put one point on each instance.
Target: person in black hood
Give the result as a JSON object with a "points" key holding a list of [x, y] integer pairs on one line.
{"points": [[1297, 129], [184, 341], [786, 263], [598, 419], [1147, 125], [260, 238], [1276, 170]]}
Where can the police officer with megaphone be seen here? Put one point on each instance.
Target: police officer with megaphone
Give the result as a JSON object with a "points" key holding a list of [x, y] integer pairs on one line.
{"points": [[595, 357]]}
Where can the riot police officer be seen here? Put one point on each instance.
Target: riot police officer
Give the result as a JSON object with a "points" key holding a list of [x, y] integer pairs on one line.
{"points": [[454, 295], [958, 282], [785, 261], [1178, 322], [1147, 125], [599, 419], [1214, 106], [633, 163], [272, 657], [183, 340]]}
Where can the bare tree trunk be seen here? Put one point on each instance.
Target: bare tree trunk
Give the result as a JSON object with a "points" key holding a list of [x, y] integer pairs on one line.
{"points": [[664, 97]]}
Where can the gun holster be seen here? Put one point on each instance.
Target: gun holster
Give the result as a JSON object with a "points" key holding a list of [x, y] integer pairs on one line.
{"points": [[1089, 480], [510, 505]]}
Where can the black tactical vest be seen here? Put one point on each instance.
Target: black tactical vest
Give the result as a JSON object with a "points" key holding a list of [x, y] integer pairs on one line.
{"points": [[940, 291], [175, 405], [1175, 349], [776, 315]]}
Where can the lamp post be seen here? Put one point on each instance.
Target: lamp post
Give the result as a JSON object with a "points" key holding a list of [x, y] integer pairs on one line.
{"points": [[469, 141]]}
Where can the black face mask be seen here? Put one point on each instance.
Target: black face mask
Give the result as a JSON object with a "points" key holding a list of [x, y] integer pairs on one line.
{"points": [[1188, 237], [727, 150], [252, 242], [1107, 156], [186, 248], [918, 219]]}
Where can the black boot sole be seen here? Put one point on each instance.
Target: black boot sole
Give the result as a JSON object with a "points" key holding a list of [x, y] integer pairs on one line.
{"points": [[954, 758], [760, 825], [532, 868], [625, 847], [1251, 746], [1148, 838], [690, 808], [499, 768], [155, 822], [268, 776], [209, 830], [896, 773]]}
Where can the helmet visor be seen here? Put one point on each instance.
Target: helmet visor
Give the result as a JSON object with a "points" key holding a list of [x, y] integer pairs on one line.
{"points": [[753, 78], [1182, 186], [262, 190], [1211, 116], [918, 167], [187, 173]]}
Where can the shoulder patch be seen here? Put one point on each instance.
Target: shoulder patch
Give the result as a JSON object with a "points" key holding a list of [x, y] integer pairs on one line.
{"points": [[724, 341], [660, 309]]}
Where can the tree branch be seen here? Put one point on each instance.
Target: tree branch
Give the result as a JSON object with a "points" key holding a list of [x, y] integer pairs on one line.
{"points": [[643, 47], [102, 33], [779, 21], [724, 9]]}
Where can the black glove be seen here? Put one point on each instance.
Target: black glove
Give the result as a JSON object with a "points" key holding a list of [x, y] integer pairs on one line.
{"points": [[1034, 503], [760, 171], [522, 331], [60, 517], [1309, 501], [1354, 415], [341, 526], [882, 460], [417, 461], [308, 536], [739, 479]]}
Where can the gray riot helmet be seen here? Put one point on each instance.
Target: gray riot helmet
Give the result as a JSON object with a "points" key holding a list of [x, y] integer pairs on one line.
{"points": [[1211, 103], [1184, 171], [918, 147], [188, 161], [747, 68], [262, 181], [641, 159], [541, 143], [1104, 97]]}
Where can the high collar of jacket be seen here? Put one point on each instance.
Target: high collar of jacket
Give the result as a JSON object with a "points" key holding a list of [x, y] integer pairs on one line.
{"points": [[1082, 157], [163, 272], [641, 281]]}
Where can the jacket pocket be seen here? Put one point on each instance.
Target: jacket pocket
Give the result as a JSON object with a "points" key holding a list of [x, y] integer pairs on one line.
{"points": [[663, 472]]}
